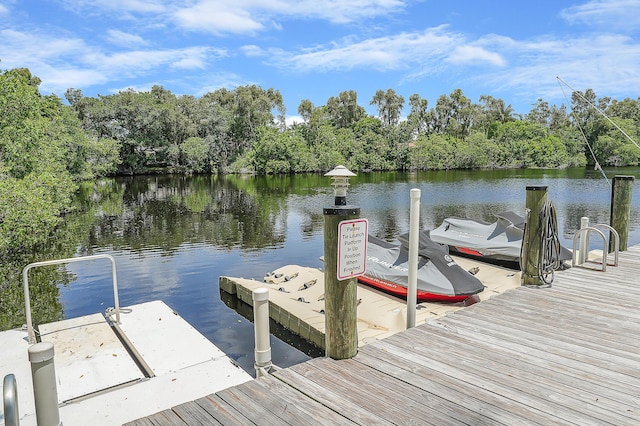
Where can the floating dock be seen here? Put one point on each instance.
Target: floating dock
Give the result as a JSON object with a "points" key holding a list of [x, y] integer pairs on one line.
{"points": [[296, 300], [100, 379], [563, 355]]}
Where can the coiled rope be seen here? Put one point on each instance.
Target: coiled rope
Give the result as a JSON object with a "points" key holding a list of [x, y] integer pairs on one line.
{"points": [[549, 250]]}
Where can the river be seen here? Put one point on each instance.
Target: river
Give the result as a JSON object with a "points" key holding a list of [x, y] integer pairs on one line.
{"points": [[173, 236]]}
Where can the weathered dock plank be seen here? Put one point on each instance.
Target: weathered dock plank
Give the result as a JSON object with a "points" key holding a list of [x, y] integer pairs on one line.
{"points": [[287, 398], [538, 390], [222, 412], [328, 397], [568, 354], [469, 356], [373, 391]]}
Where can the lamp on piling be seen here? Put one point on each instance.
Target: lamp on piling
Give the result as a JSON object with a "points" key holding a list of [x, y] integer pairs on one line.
{"points": [[340, 295], [340, 177]]}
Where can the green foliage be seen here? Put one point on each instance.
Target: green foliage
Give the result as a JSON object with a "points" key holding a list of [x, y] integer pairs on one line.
{"points": [[389, 106], [196, 154], [224, 131], [329, 146], [613, 148], [343, 110], [282, 152], [43, 155], [43, 152]]}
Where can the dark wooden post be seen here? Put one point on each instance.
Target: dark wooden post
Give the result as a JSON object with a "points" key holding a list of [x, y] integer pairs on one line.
{"points": [[340, 296], [621, 189], [536, 199]]}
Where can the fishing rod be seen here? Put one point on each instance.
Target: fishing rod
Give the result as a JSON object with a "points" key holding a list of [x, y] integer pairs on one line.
{"points": [[593, 155], [599, 110]]}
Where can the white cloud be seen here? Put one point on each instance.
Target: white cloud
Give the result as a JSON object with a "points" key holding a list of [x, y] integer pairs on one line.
{"points": [[136, 62], [607, 14], [70, 62], [210, 82], [122, 7], [252, 51], [120, 38], [252, 16], [337, 11], [27, 45], [194, 57], [605, 63], [474, 55], [293, 119], [218, 18], [424, 49], [58, 80]]}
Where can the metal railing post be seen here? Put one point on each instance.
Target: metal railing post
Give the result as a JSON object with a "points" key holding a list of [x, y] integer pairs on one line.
{"points": [[10, 401], [605, 244]]}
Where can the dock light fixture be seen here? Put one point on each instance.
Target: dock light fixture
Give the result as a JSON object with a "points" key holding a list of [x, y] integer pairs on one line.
{"points": [[340, 177]]}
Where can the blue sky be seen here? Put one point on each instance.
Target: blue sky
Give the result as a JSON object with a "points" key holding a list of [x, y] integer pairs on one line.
{"points": [[315, 49]]}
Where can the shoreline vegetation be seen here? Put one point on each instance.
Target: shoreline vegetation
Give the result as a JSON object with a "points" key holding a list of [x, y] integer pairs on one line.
{"points": [[50, 150]]}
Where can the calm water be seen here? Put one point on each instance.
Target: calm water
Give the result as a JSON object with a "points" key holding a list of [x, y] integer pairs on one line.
{"points": [[172, 237]]}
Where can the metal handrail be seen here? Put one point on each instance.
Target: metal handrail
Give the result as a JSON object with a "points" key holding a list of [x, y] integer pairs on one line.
{"points": [[10, 400], [25, 280], [616, 240], [605, 251]]}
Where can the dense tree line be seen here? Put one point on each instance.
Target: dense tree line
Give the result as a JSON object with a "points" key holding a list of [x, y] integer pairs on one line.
{"points": [[243, 130], [47, 147]]}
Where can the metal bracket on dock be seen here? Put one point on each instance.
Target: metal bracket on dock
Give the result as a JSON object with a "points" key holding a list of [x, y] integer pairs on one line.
{"points": [[605, 248]]}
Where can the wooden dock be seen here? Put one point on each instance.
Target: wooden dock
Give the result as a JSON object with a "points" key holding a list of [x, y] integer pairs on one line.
{"points": [[568, 354]]}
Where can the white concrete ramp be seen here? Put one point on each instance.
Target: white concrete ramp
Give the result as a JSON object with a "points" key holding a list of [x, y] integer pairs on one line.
{"points": [[148, 324], [89, 357], [99, 383]]}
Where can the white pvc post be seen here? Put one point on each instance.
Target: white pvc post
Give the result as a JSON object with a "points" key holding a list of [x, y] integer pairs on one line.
{"points": [[414, 230], [261, 325], [583, 251], [45, 393]]}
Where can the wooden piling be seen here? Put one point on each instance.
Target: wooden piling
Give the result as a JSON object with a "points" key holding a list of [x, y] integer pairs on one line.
{"points": [[341, 332], [535, 201], [621, 189]]}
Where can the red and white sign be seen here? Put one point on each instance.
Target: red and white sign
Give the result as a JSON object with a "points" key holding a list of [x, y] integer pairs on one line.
{"points": [[352, 248]]}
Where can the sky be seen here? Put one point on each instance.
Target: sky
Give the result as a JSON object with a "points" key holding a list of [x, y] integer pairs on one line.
{"points": [[518, 51]]}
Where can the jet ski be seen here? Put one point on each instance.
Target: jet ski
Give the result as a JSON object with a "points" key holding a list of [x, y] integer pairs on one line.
{"points": [[439, 277], [498, 242]]}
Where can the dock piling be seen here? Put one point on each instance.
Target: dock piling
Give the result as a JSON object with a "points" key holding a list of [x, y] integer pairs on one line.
{"points": [[621, 189], [341, 322], [535, 201]]}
